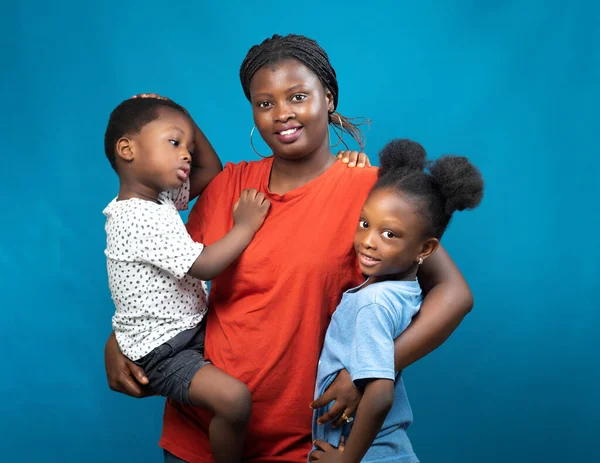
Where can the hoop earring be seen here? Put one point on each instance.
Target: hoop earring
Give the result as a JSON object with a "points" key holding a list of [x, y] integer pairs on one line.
{"points": [[252, 144]]}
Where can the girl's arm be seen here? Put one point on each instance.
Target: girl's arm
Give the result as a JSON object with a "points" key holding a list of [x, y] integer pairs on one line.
{"points": [[448, 299], [205, 164], [376, 403]]}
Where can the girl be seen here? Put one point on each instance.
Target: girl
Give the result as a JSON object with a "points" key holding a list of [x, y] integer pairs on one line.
{"points": [[400, 226]]}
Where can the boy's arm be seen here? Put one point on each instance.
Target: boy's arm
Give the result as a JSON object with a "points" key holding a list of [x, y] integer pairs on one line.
{"points": [[376, 403], [205, 164], [249, 213]]}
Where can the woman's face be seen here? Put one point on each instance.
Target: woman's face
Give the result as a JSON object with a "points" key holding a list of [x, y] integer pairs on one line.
{"points": [[291, 109]]}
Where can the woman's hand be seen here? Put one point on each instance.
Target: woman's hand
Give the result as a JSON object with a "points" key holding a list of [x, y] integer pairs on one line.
{"points": [[326, 453], [354, 158], [346, 395], [123, 375]]}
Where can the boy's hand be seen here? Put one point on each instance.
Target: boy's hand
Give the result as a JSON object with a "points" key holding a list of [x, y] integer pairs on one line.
{"points": [[251, 209], [354, 158]]}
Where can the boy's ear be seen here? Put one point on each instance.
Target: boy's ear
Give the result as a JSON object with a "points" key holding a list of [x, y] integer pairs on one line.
{"points": [[429, 247], [125, 149]]}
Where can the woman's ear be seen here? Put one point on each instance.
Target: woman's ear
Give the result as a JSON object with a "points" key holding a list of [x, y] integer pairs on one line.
{"points": [[429, 247], [329, 97], [125, 149]]}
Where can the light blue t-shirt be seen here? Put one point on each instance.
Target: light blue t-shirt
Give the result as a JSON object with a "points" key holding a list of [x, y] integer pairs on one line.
{"points": [[360, 339]]}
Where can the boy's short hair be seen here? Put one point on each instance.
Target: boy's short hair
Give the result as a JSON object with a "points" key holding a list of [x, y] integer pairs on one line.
{"points": [[129, 118]]}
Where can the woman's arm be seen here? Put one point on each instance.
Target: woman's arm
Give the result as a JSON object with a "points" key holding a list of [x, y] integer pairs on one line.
{"points": [[448, 299], [123, 375], [447, 302], [205, 164]]}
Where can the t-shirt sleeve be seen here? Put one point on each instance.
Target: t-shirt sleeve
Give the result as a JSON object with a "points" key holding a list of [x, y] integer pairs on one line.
{"points": [[168, 246], [180, 196], [200, 216], [372, 348]]}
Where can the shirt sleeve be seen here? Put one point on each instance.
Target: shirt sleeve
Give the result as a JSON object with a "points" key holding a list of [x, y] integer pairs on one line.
{"points": [[372, 347], [180, 196], [168, 246], [200, 216]]}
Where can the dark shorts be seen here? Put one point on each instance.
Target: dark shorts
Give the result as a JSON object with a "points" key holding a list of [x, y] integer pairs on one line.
{"points": [[171, 366]]}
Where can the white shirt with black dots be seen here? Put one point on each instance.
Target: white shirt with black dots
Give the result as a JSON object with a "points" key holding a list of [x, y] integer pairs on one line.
{"points": [[148, 254]]}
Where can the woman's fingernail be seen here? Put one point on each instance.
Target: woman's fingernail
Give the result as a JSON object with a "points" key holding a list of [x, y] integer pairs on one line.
{"points": [[360, 164], [352, 164], [345, 161]]}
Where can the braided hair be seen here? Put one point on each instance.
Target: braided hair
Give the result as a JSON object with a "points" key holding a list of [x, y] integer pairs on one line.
{"points": [[437, 188], [280, 48], [129, 118]]}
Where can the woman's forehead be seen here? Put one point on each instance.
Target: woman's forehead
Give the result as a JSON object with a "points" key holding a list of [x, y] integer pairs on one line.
{"points": [[281, 76]]}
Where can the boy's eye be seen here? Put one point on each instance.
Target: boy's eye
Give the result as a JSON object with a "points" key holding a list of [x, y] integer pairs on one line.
{"points": [[388, 234], [363, 224], [299, 97], [263, 104], [174, 142]]}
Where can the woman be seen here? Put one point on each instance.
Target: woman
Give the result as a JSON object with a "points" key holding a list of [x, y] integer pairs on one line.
{"points": [[269, 311]]}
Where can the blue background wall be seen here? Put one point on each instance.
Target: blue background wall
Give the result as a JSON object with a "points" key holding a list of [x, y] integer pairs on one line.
{"points": [[513, 85]]}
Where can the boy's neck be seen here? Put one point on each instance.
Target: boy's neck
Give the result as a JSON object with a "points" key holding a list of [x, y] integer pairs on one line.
{"points": [[132, 189]]}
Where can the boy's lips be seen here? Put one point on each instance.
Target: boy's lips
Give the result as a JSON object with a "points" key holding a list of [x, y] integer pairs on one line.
{"points": [[183, 172]]}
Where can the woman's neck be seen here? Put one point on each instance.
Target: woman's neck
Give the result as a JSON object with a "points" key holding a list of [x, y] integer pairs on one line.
{"points": [[287, 175]]}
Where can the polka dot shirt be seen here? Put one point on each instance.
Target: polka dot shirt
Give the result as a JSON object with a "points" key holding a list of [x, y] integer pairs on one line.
{"points": [[148, 253]]}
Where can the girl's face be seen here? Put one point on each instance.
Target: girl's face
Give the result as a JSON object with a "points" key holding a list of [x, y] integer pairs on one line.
{"points": [[389, 238], [291, 109]]}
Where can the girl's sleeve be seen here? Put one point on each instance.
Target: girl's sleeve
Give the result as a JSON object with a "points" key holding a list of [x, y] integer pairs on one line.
{"points": [[372, 345]]}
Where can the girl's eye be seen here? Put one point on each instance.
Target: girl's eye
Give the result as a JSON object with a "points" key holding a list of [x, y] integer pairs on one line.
{"points": [[263, 104], [299, 97], [388, 234], [363, 224], [174, 142]]}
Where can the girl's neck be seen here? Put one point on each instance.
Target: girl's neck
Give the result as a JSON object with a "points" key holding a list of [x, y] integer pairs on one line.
{"points": [[409, 275], [287, 175]]}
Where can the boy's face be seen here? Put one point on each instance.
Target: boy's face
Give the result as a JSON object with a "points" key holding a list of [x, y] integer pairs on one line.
{"points": [[163, 151], [389, 238]]}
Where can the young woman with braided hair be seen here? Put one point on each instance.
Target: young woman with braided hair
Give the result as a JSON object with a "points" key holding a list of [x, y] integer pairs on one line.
{"points": [[268, 312]]}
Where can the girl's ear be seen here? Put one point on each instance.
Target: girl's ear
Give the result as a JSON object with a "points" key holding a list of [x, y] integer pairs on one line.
{"points": [[429, 247]]}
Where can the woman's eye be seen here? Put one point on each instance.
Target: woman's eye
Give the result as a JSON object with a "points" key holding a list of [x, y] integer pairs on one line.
{"points": [[299, 97], [174, 142], [363, 224], [388, 234]]}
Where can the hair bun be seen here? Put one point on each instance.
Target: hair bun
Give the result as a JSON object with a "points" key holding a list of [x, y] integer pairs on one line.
{"points": [[459, 181], [401, 156]]}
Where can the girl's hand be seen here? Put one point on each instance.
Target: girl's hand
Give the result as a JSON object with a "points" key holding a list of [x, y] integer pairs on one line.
{"points": [[354, 158], [326, 453], [346, 395], [123, 375]]}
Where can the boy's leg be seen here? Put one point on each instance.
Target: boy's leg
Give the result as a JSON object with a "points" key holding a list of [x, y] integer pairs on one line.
{"points": [[231, 403]]}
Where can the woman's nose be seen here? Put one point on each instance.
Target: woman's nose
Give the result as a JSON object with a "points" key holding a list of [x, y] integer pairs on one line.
{"points": [[283, 113]]}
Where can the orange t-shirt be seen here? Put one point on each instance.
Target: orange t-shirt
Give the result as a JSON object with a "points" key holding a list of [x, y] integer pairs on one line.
{"points": [[269, 310]]}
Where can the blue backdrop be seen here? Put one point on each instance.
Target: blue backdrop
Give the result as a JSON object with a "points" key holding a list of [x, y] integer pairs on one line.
{"points": [[511, 84]]}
